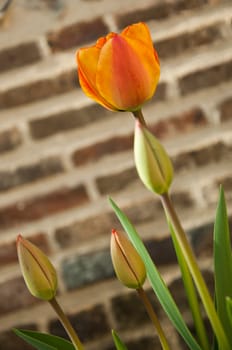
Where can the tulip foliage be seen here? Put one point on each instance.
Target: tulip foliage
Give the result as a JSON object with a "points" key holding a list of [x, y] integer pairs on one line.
{"points": [[121, 72]]}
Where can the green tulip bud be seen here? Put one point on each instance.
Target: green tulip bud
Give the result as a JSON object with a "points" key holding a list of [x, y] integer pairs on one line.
{"points": [[152, 161], [128, 265], [38, 272]]}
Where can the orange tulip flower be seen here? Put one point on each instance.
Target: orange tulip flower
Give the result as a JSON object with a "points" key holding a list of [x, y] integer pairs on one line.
{"points": [[121, 71]]}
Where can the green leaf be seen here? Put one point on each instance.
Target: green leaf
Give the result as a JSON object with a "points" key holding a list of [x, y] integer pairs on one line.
{"points": [[222, 264], [229, 309], [156, 281], [190, 292], [118, 342], [43, 341]]}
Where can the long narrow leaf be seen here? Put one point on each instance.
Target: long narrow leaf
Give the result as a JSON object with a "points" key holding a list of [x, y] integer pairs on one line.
{"points": [[229, 309], [190, 292], [118, 342], [44, 341], [156, 281], [222, 264]]}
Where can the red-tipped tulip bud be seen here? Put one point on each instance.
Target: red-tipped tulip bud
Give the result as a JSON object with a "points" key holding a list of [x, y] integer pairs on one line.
{"points": [[38, 272], [152, 161], [128, 265]]}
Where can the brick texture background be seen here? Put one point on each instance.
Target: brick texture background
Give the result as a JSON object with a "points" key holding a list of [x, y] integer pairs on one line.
{"points": [[62, 155]]}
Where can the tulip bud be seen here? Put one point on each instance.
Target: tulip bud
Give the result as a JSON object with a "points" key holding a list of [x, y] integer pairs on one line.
{"points": [[38, 272], [128, 265], [152, 162]]}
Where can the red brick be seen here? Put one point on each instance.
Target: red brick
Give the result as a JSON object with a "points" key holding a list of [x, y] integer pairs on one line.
{"points": [[8, 253], [160, 93], [202, 240], [159, 11], [90, 324], [184, 122], [211, 190], [80, 270], [125, 313], [66, 121], [10, 139], [14, 295], [117, 181], [76, 34], [182, 5], [145, 210], [212, 153], [182, 199], [114, 145], [182, 161], [87, 229], [156, 249], [129, 317], [12, 342], [148, 210], [39, 89], [210, 76], [30, 173], [227, 183], [101, 225], [18, 56], [42, 206], [225, 109], [188, 40], [178, 292]]}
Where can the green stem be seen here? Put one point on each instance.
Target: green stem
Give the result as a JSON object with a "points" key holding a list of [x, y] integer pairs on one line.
{"points": [[190, 292], [66, 324], [139, 115], [153, 318], [195, 272]]}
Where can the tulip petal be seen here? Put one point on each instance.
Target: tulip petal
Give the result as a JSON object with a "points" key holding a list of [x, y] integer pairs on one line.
{"points": [[151, 66], [142, 34], [117, 75], [139, 39], [127, 74], [87, 60], [139, 31]]}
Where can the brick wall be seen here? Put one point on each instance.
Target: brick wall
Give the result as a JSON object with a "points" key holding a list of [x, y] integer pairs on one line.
{"points": [[61, 155]]}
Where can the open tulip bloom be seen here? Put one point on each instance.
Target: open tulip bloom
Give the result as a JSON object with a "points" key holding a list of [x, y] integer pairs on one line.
{"points": [[121, 72]]}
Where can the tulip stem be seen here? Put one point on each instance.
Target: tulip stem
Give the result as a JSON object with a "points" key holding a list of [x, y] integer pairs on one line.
{"points": [[191, 292], [154, 318], [139, 115], [195, 272], [66, 324]]}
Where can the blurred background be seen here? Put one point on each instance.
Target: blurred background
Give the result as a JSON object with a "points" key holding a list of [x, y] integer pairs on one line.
{"points": [[61, 156]]}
